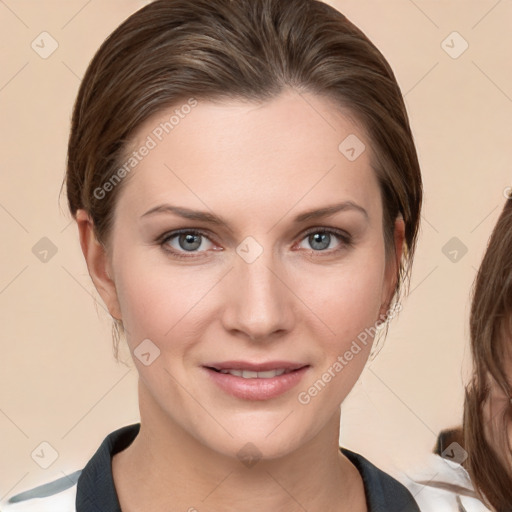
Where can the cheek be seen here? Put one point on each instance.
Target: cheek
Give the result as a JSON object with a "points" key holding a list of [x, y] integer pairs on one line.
{"points": [[348, 304], [162, 303], [347, 299]]}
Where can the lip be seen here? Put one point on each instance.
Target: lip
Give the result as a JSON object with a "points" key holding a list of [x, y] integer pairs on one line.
{"points": [[257, 388]]}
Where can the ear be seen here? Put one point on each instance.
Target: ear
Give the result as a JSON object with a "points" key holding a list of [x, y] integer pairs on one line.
{"points": [[393, 265], [98, 263]]}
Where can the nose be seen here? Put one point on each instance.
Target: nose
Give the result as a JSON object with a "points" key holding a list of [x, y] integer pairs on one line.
{"points": [[259, 303]]}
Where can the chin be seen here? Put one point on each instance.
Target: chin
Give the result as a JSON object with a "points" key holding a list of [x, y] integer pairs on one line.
{"points": [[250, 451], [259, 438]]}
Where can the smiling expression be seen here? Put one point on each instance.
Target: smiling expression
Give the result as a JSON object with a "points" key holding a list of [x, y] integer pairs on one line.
{"points": [[249, 251]]}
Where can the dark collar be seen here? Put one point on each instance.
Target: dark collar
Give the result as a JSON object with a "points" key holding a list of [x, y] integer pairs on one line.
{"points": [[96, 491], [95, 488], [383, 492]]}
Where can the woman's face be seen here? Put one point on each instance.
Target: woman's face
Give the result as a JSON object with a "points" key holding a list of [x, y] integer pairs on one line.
{"points": [[223, 260]]}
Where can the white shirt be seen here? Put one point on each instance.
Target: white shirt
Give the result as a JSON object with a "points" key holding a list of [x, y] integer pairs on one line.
{"points": [[429, 488], [56, 496]]}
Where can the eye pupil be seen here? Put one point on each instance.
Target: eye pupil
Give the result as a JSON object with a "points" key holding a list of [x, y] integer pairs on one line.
{"points": [[190, 238], [320, 238]]}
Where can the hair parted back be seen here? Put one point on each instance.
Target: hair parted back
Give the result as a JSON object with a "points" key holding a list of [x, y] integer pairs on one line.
{"points": [[171, 50], [486, 440]]}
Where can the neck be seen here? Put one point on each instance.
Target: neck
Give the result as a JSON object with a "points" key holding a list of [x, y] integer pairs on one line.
{"points": [[164, 458]]}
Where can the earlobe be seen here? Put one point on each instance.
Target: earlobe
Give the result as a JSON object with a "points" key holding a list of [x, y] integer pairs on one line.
{"points": [[98, 263]]}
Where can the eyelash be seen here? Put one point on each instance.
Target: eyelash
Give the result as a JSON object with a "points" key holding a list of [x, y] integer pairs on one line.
{"points": [[346, 241]]}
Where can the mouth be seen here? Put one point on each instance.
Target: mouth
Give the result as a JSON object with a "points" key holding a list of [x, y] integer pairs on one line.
{"points": [[256, 381], [251, 370], [249, 374]]}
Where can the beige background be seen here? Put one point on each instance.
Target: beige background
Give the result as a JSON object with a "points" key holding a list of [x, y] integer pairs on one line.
{"points": [[60, 383]]}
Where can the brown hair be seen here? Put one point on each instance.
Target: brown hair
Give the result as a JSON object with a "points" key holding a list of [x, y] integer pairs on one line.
{"points": [[171, 50], [489, 451]]}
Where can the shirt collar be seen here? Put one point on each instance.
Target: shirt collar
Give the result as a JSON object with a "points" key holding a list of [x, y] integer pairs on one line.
{"points": [[95, 487], [96, 491]]}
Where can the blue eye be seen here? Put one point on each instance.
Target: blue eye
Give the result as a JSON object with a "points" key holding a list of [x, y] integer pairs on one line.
{"points": [[192, 243], [189, 240], [320, 239]]}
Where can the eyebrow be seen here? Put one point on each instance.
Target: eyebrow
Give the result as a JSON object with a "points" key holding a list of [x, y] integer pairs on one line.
{"points": [[210, 218]]}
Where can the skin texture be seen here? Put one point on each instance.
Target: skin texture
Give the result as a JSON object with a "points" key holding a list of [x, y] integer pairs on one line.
{"points": [[257, 166]]}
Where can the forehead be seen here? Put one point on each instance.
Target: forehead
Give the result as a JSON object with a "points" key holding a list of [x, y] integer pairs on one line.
{"points": [[294, 148]]}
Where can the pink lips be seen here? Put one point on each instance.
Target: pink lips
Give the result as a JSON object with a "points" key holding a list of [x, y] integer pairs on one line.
{"points": [[256, 388]]}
